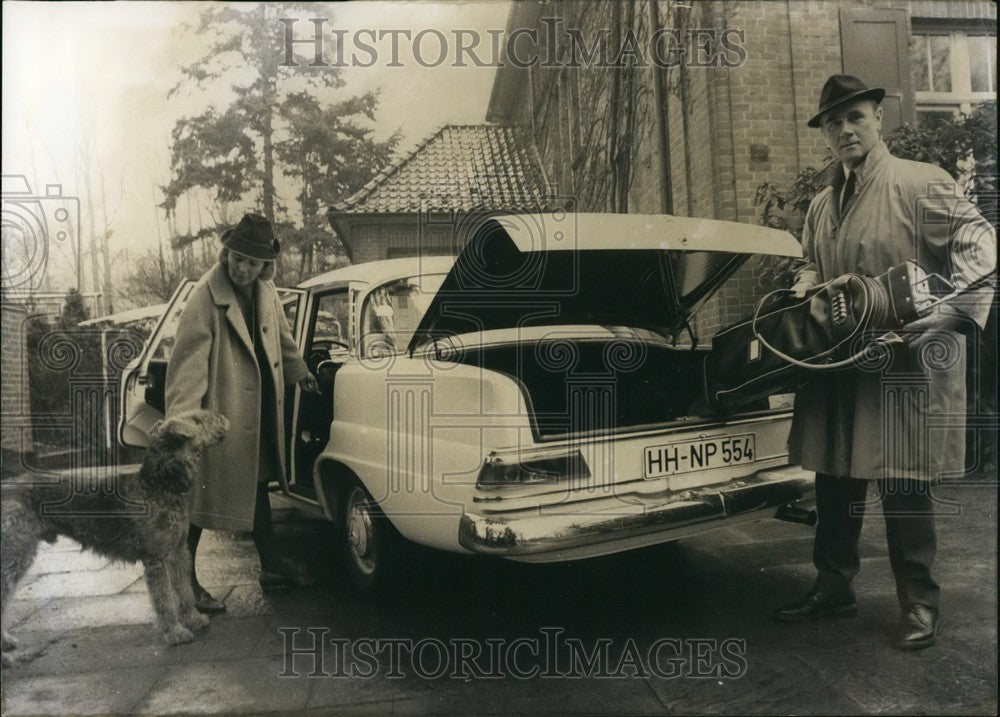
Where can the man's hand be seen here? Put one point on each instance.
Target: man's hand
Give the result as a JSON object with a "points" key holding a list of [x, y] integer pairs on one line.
{"points": [[801, 288], [941, 318], [309, 384], [804, 281]]}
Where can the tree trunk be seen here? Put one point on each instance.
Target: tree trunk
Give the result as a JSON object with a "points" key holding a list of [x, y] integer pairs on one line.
{"points": [[267, 119], [105, 242], [95, 269]]}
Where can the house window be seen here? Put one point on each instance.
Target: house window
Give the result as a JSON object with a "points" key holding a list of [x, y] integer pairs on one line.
{"points": [[952, 71]]}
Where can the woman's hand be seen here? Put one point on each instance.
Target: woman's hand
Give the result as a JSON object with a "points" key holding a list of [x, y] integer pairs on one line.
{"points": [[309, 384]]}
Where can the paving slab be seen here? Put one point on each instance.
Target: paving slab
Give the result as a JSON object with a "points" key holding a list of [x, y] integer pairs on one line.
{"points": [[417, 696], [109, 580], [381, 708], [63, 545], [95, 611], [780, 685], [937, 681], [767, 530], [106, 692], [21, 610], [56, 560], [233, 687], [122, 646]]}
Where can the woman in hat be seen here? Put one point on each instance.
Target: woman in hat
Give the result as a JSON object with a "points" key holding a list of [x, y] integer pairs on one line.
{"points": [[234, 353]]}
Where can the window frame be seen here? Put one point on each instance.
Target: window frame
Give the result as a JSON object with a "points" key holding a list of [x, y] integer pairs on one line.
{"points": [[961, 98]]}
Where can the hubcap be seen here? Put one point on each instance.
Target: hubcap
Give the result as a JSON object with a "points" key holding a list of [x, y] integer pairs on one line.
{"points": [[361, 531]]}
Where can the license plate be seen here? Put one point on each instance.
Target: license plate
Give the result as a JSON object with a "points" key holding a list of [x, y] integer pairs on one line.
{"points": [[698, 455]]}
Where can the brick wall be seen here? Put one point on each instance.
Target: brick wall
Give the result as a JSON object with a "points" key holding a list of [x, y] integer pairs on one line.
{"points": [[410, 235], [730, 129], [14, 401], [815, 55]]}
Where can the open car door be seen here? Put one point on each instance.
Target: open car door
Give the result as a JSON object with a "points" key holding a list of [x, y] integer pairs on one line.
{"points": [[143, 383]]}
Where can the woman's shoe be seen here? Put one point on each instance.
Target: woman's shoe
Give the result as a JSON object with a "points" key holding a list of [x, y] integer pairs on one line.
{"points": [[205, 603], [281, 573], [270, 579]]}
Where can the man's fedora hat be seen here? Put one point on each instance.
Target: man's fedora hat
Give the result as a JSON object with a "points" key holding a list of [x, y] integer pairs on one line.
{"points": [[840, 89], [252, 237]]}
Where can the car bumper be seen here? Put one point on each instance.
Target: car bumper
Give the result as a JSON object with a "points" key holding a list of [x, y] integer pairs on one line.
{"points": [[609, 525]]}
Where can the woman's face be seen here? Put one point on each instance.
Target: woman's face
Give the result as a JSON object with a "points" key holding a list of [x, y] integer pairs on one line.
{"points": [[243, 270]]}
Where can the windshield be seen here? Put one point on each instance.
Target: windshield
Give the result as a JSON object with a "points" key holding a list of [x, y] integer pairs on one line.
{"points": [[393, 311]]}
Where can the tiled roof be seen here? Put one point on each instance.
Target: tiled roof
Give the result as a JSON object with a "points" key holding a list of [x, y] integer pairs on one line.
{"points": [[461, 168]]}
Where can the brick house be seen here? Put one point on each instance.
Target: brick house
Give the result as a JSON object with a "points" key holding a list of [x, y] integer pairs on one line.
{"points": [[695, 132], [419, 203]]}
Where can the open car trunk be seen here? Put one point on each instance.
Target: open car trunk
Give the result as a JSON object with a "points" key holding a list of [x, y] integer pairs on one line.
{"points": [[578, 386], [578, 296]]}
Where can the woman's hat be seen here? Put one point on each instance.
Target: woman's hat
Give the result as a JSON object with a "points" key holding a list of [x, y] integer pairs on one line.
{"points": [[840, 89], [252, 237]]}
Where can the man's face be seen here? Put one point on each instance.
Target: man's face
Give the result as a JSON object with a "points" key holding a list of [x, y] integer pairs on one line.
{"points": [[851, 130]]}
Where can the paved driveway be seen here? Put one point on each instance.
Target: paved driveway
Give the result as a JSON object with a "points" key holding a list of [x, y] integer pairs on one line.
{"points": [[683, 628]]}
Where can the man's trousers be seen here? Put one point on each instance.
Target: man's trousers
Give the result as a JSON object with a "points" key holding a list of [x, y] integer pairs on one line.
{"points": [[909, 527]]}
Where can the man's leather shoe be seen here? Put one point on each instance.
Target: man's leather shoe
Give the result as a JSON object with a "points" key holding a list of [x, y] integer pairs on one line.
{"points": [[818, 604], [205, 603], [918, 628]]}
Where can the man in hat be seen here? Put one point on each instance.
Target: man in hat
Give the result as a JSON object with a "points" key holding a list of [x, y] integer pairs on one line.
{"points": [[871, 423]]}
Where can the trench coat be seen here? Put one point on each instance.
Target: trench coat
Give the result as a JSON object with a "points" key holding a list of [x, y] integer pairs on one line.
{"points": [[902, 416], [213, 366]]}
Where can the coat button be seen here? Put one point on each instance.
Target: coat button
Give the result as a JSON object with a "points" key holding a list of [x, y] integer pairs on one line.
{"points": [[276, 364], [264, 329]]}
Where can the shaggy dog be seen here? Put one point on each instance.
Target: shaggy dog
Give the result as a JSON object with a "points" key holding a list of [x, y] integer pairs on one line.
{"points": [[144, 519]]}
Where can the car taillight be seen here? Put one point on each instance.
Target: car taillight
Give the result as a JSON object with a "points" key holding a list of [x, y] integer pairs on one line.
{"points": [[525, 469]]}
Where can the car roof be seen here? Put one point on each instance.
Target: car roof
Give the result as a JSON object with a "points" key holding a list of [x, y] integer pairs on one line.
{"points": [[379, 272]]}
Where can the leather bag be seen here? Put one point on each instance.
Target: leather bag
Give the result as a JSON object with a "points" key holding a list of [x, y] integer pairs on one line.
{"points": [[822, 330]]}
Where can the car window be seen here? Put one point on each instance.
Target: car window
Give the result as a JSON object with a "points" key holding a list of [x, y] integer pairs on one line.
{"points": [[290, 305], [331, 318], [165, 339], [393, 311]]}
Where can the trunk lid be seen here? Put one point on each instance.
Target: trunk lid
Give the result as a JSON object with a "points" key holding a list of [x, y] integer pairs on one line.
{"points": [[642, 271]]}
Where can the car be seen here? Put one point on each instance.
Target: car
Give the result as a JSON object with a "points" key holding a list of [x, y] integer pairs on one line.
{"points": [[535, 398]]}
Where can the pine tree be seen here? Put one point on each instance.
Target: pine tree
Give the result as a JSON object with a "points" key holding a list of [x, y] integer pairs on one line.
{"points": [[280, 123]]}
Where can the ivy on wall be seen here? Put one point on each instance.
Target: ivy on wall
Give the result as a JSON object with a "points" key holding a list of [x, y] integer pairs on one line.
{"points": [[590, 121]]}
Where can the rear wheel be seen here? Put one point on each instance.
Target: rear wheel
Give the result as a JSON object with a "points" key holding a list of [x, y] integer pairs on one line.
{"points": [[369, 543]]}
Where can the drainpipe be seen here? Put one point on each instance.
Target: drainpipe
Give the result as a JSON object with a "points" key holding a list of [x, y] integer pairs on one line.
{"points": [[662, 122]]}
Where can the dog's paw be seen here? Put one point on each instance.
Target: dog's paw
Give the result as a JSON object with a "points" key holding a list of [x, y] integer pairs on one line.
{"points": [[195, 621], [178, 635]]}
